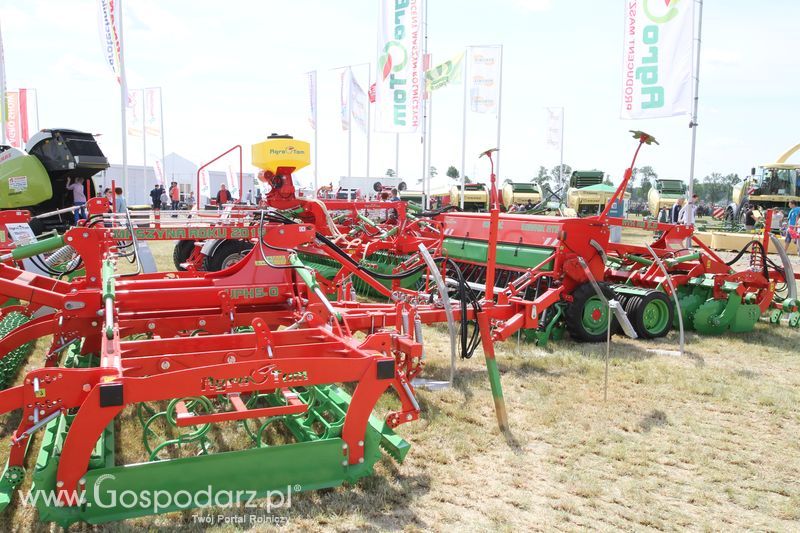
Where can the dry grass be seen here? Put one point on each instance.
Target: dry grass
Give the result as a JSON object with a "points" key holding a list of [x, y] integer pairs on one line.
{"points": [[703, 442]]}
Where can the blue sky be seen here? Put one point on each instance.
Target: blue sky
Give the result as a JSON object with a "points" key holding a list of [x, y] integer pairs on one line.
{"points": [[232, 72]]}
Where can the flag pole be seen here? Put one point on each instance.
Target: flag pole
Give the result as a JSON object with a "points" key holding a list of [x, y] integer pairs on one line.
{"points": [[123, 98], [499, 112], [561, 147], [464, 127], [316, 161], [693, 122], [425, 173], [3, 117], [349, 124], [161, 115], [369, 113], [144, 136], [397, 154]]}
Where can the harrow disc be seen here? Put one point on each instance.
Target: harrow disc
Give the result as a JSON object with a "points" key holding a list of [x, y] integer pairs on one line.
{"points": [[10, 362], [689, 304], [706, 318]]}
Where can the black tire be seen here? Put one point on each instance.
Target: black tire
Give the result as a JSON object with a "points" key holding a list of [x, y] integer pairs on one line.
{"points": [[37, 226], [573, 316], [181, 252], [377, 187], [221, 256], [636, 314], [402, 186]]}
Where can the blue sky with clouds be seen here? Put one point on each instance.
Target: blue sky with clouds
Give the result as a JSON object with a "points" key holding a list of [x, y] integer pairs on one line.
{"points": [[232, 72]]}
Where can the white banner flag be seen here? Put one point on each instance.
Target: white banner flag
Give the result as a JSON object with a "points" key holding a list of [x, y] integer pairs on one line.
{"points": [[555, 126], [312, 98], [233, 182], [401, 78], [152, 111], [343, 100], [12, 125], [134, 119], [358, 103], [657, 59], [158, 169], [205, 185], [108, 25], [484, 78]]}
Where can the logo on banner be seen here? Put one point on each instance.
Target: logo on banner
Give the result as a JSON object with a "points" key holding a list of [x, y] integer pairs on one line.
{"points": [[657, 58]]}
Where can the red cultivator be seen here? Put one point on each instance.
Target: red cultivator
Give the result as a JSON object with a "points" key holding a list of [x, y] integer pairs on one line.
{"points": [[250, 380]]}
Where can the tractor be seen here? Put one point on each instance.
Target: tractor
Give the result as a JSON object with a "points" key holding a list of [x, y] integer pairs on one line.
{"points": [[771, 185], [587, 194]]}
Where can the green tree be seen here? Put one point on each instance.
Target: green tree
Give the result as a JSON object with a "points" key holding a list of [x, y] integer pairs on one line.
{"points": [[542, 177], [433, 171], [452, 172], [390, 173], [647, 177]]}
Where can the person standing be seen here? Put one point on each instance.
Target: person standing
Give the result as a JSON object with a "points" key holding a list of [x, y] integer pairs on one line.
{"points": [[676, 210], [258, 196], [164, 198], [155, 197], [249, 196], [78, 197], [223, 196], [174, 196], [119, 203], [683, 215], [791, 227]]}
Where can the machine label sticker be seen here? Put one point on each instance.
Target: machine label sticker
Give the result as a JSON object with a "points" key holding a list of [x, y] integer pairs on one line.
{"points": [[267, 375], [17, 184], [20, 233], [153, 234]]}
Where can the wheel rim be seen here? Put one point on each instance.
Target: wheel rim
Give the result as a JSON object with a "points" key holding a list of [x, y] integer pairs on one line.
{"points": [[232, 260], [595, 316], [655, 316]]}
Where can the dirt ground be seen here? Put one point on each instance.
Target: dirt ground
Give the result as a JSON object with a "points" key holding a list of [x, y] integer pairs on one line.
{"points": [[707, 441]]}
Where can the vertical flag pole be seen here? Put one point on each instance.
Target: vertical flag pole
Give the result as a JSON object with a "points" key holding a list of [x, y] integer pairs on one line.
{"points": [[369, 114], [464, 128], [561, 146], [123, 97], [2, 91], [693, 124], [425, 174], [397, 154], [161, 116], [499, 112], [349, 123], [144, 136], [316, 160]]}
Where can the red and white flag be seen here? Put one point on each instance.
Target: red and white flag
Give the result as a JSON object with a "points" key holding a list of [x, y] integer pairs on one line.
{"points": [[13, 134]]}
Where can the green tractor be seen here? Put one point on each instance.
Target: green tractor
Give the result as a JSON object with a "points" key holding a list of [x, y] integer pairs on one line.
{"points": [[35, 178]]}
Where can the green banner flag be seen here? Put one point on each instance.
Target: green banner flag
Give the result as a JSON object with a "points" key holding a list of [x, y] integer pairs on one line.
{"points": [[444, 74]]}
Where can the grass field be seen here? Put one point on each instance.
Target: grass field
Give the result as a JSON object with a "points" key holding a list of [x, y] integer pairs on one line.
{"points": [[703, 442]]}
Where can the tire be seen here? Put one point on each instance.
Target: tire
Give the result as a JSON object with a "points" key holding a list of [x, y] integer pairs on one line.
{"points": [[226, 255], [37, 226], [377, 187], [586, 316], [402, 186], [651, 314], [181, 253]]}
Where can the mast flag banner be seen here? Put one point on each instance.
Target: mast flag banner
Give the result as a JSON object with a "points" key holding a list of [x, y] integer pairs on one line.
{"points": [[484, 78], [358, 103], [2, 89], [134, 113], [657, 58], [344, 95], [445, 74], [13, 134], [555, 121], [152, 111], [398, 89], [312, 98], [108, 21]]}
